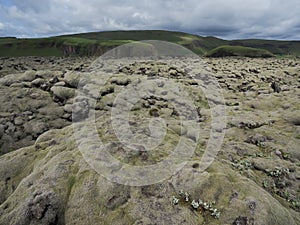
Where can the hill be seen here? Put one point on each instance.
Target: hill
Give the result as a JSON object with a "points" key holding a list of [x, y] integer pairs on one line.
{"points": [[96, 43], [228, 50]]}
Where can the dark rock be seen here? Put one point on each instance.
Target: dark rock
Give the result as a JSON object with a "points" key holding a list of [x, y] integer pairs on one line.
{"points": [[257, 139], [18, 121], [275, 87], [250, 125], [43, 206], [234, 195], [243, 221], [10, 128], [54, 80], [252, 205], [254, 71], [118, 196], [1, 130], [45, 86], [154, 112]]}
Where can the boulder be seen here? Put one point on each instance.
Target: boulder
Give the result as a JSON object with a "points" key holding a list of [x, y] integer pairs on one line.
{"points": [[62, 93], [72, 78]]}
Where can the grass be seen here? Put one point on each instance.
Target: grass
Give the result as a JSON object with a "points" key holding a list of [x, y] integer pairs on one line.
{"points": [[276, 47], [228, 50], [96, 43], [71, 183]]}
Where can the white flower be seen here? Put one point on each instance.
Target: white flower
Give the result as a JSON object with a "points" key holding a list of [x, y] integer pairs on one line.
{"points": [[186, 196], [195, 204], [175, 200]]}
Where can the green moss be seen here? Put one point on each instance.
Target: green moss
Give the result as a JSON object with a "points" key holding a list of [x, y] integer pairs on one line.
{"points": [[71, 183], [227, 50]]}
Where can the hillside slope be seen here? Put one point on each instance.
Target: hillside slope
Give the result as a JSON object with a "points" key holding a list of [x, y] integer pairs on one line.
{"points": [[96, 43], [227, 50]]}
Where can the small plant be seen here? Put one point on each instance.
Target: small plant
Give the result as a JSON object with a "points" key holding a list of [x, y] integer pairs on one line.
{"points": [[296, 204], [196, 205], [265, 184], [259, 154], [175, 200], [242, 165], [285, 155], [261, 144], [287, 195], [278, 172]]}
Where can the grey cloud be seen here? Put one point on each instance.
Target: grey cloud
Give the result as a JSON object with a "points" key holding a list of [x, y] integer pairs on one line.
{"points": [[226, 19]]}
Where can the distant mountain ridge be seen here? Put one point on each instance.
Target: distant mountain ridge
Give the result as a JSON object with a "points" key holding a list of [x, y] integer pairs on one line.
{"points": [[97, 43]]}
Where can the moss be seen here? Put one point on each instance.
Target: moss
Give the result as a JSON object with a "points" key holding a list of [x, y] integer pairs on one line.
{"points": [[227, 50], [71, 183], [119, 216]]}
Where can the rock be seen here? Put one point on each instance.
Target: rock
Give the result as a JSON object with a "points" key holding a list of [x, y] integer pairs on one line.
{"points": [[80, 109], [275, 87], [6, 143], [27, 113], [254, 71], [8, 80], [122, 81], [72, 79], [38, 82], [60, 84], [257, 139], [54, 80], [243, 221], [43, 207], [35, 128], [115, 196], [18, 121], [107, 90], [250, 125], [10, 128], [68, 108], [278, 153], [2, 130], [154, 112], [67, 116], [28, 76], [58, 123], [173, 73], [62, 93], [21, 85], [45, 86], [50, 112]]}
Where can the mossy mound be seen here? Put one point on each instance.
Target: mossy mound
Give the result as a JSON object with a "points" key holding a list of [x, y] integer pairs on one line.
{"points": [[227, 50], [254, 179]]}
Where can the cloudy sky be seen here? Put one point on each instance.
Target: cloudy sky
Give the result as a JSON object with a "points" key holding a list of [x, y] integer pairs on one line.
{"points": [[229, 19]]}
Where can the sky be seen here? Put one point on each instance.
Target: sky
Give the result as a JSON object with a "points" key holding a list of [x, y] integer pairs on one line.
{"points": [[228, 19]]}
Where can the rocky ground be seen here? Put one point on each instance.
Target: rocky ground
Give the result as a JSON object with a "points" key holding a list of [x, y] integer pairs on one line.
{"points": [[45, 177]]}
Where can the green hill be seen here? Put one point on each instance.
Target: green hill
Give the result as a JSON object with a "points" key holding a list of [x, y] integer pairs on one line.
{"points": [[96, 43], [228, 50]]}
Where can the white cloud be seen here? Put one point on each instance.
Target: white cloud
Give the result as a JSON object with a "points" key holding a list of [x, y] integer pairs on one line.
{"points": [[1, 26], [229, 19]]}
